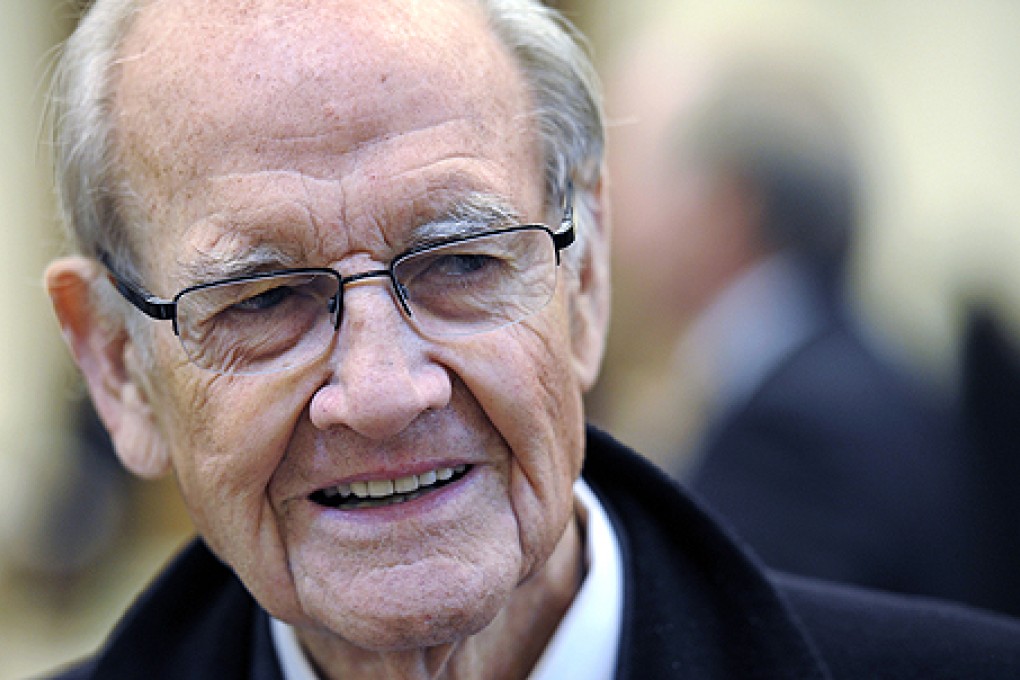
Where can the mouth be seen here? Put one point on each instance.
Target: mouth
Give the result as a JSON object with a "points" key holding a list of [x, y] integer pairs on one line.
{"points": [[377, 493]]}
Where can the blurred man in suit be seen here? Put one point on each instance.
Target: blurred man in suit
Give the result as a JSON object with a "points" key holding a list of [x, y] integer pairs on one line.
{"points": [[741, 182]]}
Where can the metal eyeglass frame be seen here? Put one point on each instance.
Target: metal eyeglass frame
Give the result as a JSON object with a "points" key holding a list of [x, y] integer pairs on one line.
{"points": [[162, 309]]}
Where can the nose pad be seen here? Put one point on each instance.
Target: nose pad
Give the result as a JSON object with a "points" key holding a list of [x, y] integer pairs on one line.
{"points": [[381, 375]]}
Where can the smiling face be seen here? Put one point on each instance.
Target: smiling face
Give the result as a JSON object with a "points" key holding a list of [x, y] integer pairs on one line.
{"points": [[335, 134]]}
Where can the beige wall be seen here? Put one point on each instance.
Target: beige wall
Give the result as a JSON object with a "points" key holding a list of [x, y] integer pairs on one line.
{"points": [[32, 358]]}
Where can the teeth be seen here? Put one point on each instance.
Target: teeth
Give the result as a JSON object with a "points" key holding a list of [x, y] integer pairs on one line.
{"points": [[381, 488], [406, 484]]}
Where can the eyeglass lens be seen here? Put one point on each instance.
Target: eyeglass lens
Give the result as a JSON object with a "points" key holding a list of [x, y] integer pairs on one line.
{"points": [[274, 323]]}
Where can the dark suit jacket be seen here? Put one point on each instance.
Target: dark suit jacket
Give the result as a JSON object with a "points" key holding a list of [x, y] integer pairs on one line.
{"points": [[990, 387], [840, 466], [696, 606]]}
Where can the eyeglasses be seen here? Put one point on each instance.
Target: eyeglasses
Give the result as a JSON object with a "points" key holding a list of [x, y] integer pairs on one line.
{"points": [[280, 320]]}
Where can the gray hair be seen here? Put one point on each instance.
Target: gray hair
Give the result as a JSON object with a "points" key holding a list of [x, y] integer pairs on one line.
{"points": [[93, 199]]}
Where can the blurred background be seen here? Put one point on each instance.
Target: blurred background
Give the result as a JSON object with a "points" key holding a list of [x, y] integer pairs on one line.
{"points": [[929, 87], [929, 90]]}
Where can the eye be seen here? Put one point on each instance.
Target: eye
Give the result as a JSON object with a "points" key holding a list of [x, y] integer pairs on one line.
{"points": [[461, 264], [264, 300]]}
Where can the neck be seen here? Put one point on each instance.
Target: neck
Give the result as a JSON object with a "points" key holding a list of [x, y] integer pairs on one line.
{"points": [[506, 649]]}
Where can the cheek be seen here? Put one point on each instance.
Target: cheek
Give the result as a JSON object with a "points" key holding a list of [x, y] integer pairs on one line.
{"points": [[222, 444], [225, 447], [523, 379]]}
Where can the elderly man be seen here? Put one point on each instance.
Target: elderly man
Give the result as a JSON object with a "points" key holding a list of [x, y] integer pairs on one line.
{"points": [[342, 272]]}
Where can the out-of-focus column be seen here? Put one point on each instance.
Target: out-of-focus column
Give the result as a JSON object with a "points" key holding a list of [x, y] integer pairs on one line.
{"points": [[33, 362]]}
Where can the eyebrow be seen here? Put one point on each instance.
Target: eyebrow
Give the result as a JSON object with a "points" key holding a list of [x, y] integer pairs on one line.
{"points": [[475, 214], [207, 267]]}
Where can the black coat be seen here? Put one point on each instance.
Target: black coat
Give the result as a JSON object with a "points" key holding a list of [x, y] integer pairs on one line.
{"points": [[697, 605]]}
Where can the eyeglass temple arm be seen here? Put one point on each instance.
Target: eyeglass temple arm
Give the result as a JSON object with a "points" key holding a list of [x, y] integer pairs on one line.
{"points": [[152, 306], [565, 236], [562, 239]]}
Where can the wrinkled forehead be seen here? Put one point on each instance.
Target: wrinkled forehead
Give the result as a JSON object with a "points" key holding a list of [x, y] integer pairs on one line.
{"points": [[275, 46], [204, 87]]}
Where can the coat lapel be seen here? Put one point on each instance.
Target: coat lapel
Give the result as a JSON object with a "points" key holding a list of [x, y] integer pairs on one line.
{"points": [[696, 603]]}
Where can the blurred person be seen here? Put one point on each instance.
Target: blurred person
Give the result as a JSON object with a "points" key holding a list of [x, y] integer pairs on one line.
{"points": [[314, 281], [738, 198]]}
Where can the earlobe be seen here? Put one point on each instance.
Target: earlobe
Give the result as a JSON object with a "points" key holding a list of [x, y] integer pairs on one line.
{"points": [[590, 308], [107, 359]]}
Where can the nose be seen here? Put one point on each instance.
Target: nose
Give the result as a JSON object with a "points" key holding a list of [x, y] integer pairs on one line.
{"points": [[381, 377]]}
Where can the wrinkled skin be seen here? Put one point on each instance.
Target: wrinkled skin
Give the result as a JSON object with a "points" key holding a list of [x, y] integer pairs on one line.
{"points": [[326, 133]]}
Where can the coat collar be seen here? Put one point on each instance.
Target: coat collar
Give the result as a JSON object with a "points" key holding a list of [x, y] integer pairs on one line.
{"points": [[697, 603]]}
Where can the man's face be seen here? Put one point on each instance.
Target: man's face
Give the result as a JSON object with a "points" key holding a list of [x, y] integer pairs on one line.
{"points": [[328, 134]]}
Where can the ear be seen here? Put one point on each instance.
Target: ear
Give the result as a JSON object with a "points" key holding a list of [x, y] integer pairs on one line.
{"points": [[590, 304], [109, 363]]}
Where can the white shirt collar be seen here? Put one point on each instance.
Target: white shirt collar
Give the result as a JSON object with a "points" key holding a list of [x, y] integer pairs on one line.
{"points": [[586, 642]]}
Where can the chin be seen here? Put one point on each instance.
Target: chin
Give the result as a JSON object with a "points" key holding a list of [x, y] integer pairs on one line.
{"points": [[412, 608], [378, 632]]}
